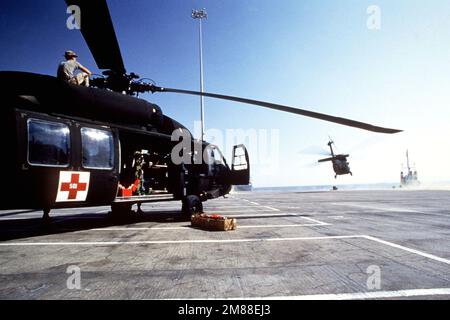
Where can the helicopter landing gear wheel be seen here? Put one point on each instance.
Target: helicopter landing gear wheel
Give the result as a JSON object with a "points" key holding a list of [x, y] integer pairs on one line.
{"points": [[192, 205]]}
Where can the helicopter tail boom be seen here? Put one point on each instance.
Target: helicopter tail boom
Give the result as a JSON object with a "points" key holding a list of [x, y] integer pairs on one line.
{"points": [[326, 160]]}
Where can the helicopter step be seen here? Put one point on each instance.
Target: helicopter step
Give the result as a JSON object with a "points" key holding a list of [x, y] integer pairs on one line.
{"points": [[191, 204], [147, 198], [122, 206]]}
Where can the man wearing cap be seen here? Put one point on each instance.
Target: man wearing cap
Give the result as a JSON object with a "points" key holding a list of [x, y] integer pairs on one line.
{"points": [[67, 68]]}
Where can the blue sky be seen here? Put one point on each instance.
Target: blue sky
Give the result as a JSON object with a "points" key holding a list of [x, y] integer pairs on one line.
{"points": [[316, 54]]}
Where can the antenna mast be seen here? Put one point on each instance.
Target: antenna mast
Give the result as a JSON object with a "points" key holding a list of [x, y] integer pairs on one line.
{"points": [[407, 160]]}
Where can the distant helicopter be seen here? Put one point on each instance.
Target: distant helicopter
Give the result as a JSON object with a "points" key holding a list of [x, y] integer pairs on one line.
{"points": [[68, 146], [340, 163]]}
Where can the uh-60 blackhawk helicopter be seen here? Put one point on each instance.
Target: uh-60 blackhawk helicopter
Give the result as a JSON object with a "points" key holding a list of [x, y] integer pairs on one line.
{"points": [[70, 146], [340, 164]]}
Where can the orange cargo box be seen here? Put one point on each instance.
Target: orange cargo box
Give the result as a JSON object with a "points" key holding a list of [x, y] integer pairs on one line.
{"points": [[127, 192], [213, 222]]}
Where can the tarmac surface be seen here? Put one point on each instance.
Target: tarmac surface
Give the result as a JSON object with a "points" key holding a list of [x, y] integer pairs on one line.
{"points": [[321, 245]]}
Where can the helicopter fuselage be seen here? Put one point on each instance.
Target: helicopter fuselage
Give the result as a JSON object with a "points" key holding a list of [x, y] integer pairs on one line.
{"points": [[340, 164], [71, 146], [341, 167]]}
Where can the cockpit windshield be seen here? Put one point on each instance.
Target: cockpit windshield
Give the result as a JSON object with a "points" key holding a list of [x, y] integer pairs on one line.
{"points": [[215, 156]]}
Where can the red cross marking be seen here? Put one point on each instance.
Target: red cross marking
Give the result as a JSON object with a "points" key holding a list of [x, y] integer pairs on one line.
{"points": [[74, 186]]}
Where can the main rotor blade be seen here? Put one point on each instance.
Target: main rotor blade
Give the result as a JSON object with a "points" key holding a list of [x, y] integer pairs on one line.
{"points": [[306, 113], [314, 150], [98, 31]]}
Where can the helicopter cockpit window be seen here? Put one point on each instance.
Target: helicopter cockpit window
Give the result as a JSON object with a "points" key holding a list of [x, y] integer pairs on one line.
{"points": [[48, 143], [98, 148]]}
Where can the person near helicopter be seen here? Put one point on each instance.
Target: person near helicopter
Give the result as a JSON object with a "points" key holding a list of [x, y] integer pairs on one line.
{"points": [[66, 70]]}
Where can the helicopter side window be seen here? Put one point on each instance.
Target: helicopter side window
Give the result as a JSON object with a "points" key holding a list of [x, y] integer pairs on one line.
{"points": [[97, 149], [48, 143]]}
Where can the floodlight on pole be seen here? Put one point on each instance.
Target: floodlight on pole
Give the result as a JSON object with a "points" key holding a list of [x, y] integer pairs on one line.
{"points": [[200, 15]]}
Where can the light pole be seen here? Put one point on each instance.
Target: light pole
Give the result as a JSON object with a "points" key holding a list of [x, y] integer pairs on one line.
{"points": [[201, 14]]}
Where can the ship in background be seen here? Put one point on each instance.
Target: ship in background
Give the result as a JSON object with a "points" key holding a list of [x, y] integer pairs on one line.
{"points": [[411, 177]]}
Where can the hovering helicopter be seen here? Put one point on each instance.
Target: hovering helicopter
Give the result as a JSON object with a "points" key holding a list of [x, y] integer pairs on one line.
{"points": [[72, 146], [340, 163]]}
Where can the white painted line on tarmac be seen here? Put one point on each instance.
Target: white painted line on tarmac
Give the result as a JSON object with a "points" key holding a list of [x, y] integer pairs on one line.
{"points": [[258, 209], [352, 296], [375, 207], [420, 253], [393, 209], [211, 207], [225, 212], [316, 221], [140, 229], [271, 208], [227, 207], [257, 215], [314, 224], [281, 226], [189, 227], [255, 203], [114, 243]]}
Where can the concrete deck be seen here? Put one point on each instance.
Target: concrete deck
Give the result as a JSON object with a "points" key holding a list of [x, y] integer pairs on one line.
{"points": [[325, 245]]}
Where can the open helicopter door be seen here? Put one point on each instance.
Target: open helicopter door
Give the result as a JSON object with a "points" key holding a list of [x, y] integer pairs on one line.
{"points": [[240, 166]]}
